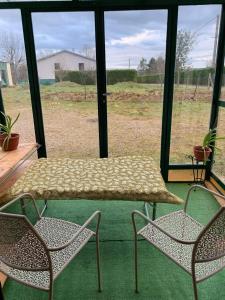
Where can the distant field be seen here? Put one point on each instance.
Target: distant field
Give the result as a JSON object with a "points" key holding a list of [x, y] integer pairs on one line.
{"points": [[134, 119]]}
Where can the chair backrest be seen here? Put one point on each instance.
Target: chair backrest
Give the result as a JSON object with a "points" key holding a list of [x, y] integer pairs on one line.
{"points": [[211, 241], [20, 245]]}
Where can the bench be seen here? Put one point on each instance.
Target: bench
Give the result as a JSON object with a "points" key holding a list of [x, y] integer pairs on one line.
{"points": [[133, 178]]}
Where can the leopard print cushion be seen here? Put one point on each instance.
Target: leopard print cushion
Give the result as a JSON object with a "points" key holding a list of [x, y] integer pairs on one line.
{"points": [[121, 178]]}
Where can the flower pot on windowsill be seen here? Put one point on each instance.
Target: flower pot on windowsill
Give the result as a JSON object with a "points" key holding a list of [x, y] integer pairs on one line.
{"points": [[12, 142], [202, 153]]}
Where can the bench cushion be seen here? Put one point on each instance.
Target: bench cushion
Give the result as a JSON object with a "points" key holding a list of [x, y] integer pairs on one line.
{"points": [[121, 178]]}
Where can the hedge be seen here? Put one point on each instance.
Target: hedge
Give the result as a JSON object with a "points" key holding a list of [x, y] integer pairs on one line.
{"points": [[158, 78], [195, 76], [190, 77], [80, 77], [114, 76], [89, 77]]}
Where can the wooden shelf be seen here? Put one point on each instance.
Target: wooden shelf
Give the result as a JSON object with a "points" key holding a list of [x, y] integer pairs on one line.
{"points": [[12, 163]]}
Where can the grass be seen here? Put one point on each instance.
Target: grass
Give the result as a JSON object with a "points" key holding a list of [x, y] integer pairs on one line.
{"points": [[134, 119]]}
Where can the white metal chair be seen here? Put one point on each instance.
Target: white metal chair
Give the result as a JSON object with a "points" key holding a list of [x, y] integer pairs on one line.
{"points": [[198, 249], [36, 255]]}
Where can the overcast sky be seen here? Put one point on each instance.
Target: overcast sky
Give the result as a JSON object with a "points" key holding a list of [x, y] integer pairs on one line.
{"points": [[129, 35]]}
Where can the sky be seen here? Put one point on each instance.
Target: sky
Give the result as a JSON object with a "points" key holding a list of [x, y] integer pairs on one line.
{"points": [[129, 35]]}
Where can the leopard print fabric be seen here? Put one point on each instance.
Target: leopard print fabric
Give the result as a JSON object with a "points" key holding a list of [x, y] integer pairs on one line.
{"points": [[121, 178]]}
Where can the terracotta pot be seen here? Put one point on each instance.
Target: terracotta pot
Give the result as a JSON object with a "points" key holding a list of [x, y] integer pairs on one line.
{"points": [[202, 154], [12, 144]]}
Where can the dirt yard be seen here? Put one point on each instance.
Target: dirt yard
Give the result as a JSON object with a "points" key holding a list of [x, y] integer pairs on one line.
{"points": [[134, 120]]}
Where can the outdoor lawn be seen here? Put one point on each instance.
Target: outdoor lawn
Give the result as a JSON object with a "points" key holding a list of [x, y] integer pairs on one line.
{"points": [[134, 119]]}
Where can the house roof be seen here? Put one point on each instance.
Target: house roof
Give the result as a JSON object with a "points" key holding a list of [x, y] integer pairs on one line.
{"points": [[65, 51]]}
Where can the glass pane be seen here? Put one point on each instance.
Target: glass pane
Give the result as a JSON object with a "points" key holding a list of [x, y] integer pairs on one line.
{"points": [[13, 75], [135, 53], [65, 48], [195, 61], [219, 165]]}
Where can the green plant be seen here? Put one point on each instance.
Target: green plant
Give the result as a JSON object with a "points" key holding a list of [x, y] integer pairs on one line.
{"points": [[6, 128], [210, 138], [203, 151]]}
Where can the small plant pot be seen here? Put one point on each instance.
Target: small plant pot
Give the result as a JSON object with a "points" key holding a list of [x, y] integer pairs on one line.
{"points": [[12, 144], [202, 154]]}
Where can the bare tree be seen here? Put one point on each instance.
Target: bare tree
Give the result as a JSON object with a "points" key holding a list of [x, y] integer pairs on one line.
{"points": [[160, 65], [12, 51], [143, 65], [22, 73], [185, 41]]}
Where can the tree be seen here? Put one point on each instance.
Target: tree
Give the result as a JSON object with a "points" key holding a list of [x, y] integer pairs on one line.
{"points": [[160, 66], [185, 41], [143, 66], [12, 51], [22, 73], [152, 66]]}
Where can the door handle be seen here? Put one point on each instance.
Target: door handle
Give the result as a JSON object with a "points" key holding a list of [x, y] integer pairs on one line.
{"points": [[106, 94]]}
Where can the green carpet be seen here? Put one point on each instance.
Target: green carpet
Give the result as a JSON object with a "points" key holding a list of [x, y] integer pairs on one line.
{"points": [[160, 278]]}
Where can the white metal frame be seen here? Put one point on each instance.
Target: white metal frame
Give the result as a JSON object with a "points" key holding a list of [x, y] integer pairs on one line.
{"points": [[48, 250], [195, 242]]}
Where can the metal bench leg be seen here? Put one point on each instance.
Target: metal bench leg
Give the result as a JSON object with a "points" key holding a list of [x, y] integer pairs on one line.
{"points": [[22, 204], [147, 204], [44, 208], [195, 287]]}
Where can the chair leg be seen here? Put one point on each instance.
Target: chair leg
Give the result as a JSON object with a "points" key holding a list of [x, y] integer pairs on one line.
{"points": [[44, 208], [22, 207], [50, 292], [195, 288], [154, 211], [136, 262], [146, 207], [98, 263]]}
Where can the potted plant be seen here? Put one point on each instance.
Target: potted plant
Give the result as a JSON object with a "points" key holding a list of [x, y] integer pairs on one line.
{"points": [[202, 152], [8, 141]]}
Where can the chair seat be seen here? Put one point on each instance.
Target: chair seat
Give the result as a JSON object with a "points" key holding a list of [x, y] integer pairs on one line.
{"points": [[183, 227], [55, 232]]}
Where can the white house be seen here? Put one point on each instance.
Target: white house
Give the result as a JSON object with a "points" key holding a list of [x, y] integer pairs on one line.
{"points": [[62, 60]]}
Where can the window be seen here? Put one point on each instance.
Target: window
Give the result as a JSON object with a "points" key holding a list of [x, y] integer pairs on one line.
{"points": [[193, 79], [219, 157], [81, 66], [73, 131], [135, 60], [16, 100], [57, 66]]}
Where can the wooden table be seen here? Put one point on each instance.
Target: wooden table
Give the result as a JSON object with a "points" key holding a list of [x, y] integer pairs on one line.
{"points": [[11, 161]]}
